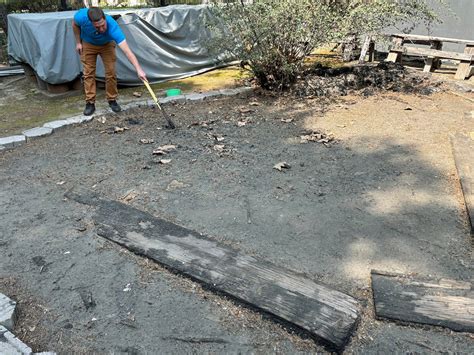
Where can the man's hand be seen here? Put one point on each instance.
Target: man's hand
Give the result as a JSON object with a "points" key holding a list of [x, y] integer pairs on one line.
{"points": [[79, 48], [141, 74]]}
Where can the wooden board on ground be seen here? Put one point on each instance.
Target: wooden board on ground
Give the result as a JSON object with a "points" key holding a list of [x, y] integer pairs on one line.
{"points": [[463, 149], [440, 302], [323, 312]]}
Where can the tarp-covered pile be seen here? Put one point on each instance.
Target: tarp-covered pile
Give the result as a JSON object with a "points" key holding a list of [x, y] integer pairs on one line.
{"points": [[167, 41]]}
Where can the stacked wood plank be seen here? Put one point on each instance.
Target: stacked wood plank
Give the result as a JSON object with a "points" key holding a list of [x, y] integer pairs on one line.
{"points": [[406, 44]]}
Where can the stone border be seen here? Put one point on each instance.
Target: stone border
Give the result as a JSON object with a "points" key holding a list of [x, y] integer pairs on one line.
{"points": [[9, 343], [49, 127], [7, 312]]}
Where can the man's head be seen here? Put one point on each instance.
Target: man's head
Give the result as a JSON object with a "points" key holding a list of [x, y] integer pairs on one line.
{"points": [[97, 17]]}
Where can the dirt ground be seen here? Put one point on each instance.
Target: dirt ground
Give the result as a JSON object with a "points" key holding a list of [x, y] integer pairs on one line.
{"points": [[384, 194], [18, 96]]}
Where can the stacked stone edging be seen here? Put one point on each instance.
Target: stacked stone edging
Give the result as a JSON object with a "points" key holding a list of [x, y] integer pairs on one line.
{"points": [[49, 127]]}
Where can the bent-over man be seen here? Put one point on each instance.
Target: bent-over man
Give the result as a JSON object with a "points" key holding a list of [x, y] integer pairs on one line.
{"points": [[98, 34]]}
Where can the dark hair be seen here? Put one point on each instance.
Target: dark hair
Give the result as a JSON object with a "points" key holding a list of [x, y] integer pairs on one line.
{"points": [[95, 14]]}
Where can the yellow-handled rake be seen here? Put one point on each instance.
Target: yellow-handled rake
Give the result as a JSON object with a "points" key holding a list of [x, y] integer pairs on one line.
{"points": [[168, 120]]}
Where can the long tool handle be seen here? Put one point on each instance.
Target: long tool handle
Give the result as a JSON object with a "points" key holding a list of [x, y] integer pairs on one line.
{"points": [[151, 92], [168, 120]]}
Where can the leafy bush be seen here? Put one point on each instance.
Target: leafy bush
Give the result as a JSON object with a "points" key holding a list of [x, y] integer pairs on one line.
{"points": [[274, 36]]}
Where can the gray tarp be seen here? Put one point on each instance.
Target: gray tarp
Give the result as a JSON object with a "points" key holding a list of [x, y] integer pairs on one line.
{"points": [[167, 41]]}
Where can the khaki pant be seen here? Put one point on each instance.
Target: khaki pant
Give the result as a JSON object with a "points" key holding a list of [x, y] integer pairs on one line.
{"points": [[89, 62]]}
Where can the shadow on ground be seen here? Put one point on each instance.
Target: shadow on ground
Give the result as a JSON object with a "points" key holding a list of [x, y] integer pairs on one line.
{"points": [[367, 201]]}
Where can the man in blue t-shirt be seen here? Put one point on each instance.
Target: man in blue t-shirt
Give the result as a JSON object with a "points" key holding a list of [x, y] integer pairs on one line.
{"points": [[98, 34]]}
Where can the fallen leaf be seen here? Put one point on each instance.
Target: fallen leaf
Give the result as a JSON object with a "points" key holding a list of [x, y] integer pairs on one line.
{"points": [[167, 148], [287, 120], [147, 140], [175, 184], [159, 152], [120, 129], [137, 94], [129, 196], [281, 166], [218, 138], [245, 110], [318, 137], [164, 161]]}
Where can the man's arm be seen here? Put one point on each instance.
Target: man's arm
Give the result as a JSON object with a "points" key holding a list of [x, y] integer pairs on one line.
{"points": [[131, 57], [77, 35]]}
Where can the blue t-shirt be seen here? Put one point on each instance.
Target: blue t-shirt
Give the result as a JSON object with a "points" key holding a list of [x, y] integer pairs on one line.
{"points": [[90, 35]]}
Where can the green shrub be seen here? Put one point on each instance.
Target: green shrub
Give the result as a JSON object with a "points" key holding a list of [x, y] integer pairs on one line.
{"points": [[274, 36]]}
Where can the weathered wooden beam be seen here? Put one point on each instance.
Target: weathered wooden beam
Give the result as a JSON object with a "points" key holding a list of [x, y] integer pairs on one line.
{"points": [[394, 55], [410, 37], [440, 302], [463, 71], [464, 68], [323, 312], [365, 49], [463, 150], [428, 65], [427, 52]]}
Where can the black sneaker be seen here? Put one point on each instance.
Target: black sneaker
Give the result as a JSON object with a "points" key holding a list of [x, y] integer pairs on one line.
{"points": [[90, 109], [114, 106]]}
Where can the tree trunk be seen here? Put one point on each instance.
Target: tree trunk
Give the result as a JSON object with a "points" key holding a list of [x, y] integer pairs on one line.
{"points": [[63, 5], [3, 18]]}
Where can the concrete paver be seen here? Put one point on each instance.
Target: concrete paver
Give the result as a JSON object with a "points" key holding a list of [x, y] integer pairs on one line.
{"points": [[12, 141], [37, 132], [11, 345], [195, 97], [7, 311], [58, 124]]}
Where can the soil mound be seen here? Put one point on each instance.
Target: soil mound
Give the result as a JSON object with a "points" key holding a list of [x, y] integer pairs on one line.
{"points": [[367, 79]]}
